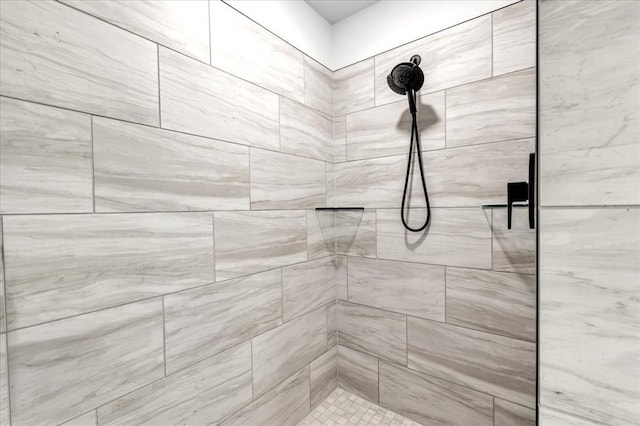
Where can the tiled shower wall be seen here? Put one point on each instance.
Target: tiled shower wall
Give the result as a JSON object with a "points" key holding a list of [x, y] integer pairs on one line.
{"points": [[440, 326], [162, 262]]}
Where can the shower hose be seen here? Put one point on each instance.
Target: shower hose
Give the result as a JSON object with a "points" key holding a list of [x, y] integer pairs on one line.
{"points": [[415, 141]]}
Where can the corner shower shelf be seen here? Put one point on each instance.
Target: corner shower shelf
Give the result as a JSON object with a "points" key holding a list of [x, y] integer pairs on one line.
{"points": [[338, 208], [504, 205]]}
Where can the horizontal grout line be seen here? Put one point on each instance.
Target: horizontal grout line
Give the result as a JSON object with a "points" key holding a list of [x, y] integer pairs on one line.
{"points": [[590, 207]]}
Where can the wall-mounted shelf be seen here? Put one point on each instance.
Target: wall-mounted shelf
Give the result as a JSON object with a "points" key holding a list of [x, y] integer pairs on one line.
{"points": [[339, 208], [503, 206]]}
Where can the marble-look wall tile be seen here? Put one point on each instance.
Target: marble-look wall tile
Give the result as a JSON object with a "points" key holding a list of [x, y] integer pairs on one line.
{"points": [[284, 350], [340, 138], [496, 302], [373, 331], [45, 159], [341, 276], [180, 25], [307, 286], [5, 413], [509, 414], [514, 249], [321, 233], [589, 97], [386, 130], [432, 401], [3, 315], [455, 56], [304, 131], [356, 233], [199, 99], [97, 74], [87, 419], [284, 405], [281, 181], [318, 86], [243, 48], [590, 313], [514, 37], [493, 364], [332, 320], [498, 109], [323, 376], [353, 87], [407, 288], [248, 242], [139, 168], [550, 417], [358, 373], [64, 368], [456, 237], [204, 393], [203, 321], [65, 265]]}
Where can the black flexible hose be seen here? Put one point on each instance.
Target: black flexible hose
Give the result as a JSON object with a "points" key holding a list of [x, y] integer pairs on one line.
{"points": [[415, 135]]}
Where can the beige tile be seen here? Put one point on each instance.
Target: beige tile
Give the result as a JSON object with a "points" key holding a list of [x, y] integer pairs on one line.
{"points": [[358, 373], [407, 288], [489, 363], [281, 181], [353, 87], [4, 382], [341, 276], [514, 249], [321, 233], [249, 242], [340, 138], [318, 86], [45, 159], [243, 48], [97, 74], [180, 25], [509, 414], [279, 353], [550, 417], [455, 56], [496, 302], [430, 401], [324, 376], [88, 419], [64, 265], [307, 286], [502, 108], [199, 99], [373, 331], [62, 369], [456, 237], [139, 168], [514, 37], [356, 232], [203, 321], [304, 131], [332, 321], [204, 393]]}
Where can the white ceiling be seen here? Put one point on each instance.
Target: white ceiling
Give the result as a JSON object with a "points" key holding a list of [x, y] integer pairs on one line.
{"points": [[336, 10]]}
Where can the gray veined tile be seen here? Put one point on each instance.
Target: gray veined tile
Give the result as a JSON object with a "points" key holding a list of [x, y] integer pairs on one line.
{"points": [[498, 109], [340, 138], [514, 249], [551, 417], [358, 373], [407, 288], [97, 74], [318, 86], [332, 321], [282, 181], [3, 317], [330, 186], [353, 87], [493, 364], [64, 265], [356, 232], [139, 168], [45, 159], [243, 48], [249, 242], [324, 376], [514, 37], [5, 413], [180, 25], [341, 276], [64, 368], [203, 393], [431, 401], [203, 321], [87, 419], [307, 286], [455, 56], [509, 414], [281, 352], [202, 100], [321, 233], [304, 131]]}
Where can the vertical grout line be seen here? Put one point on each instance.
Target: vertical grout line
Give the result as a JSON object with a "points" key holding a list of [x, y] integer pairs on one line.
{"points": [[250, 186], [253, 395], [209, 41], [492, 45], [213, 240], [279, 123], [159, 100], [406, 342], [6, 317], [164, 337], [282, 295], [491, 229], [494, 407], [378, 383], [445, 295], [93, 173], [444, 95]]}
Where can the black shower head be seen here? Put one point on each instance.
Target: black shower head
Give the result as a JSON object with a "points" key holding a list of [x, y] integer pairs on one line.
{"points": [[406, 76]]}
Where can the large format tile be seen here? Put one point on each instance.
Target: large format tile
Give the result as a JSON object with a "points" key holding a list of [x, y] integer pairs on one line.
{"points": [[279, 353], [589, 97], [64, 368], [407, 288], [59, 266], [199, 99], [492, 364], [502, 108], [45, 159], [353, 87], [340, 138], [355, 232], [281, 181], [204, 393], [551, 417], [204, 321], [513, 249], [496, 302], [430, 401], [455, 56], [248, 242], [89, 418], [514, 37], [245, 49], [590, 313], [304, 131], [307, 286], [139, 168], [341, 276], [332, 319], [180, 25], [318, 86], [324, 376], [456, 237], [358, 373], [98, 75], [5, 412], [509, 414], [373, 331]]}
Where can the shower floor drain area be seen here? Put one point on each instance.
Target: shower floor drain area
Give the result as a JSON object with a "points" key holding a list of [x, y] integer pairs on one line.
{"points": [[344, 408]]}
